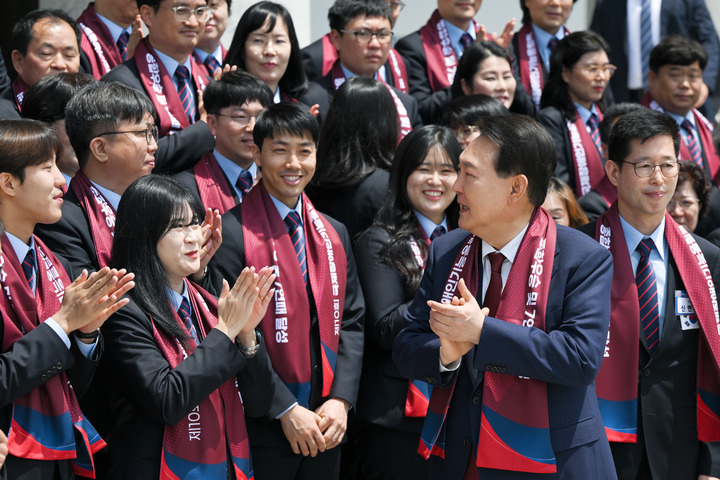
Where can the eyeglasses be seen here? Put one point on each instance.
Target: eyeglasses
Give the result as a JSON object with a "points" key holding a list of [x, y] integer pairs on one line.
{"points": [[647, 169], [183, 14], [364, 36], [593, 70], [150, 133], [464, 133], [239, 120], [684, 204], [397, 6]]}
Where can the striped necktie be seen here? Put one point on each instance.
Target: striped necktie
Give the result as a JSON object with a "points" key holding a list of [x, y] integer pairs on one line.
{"points": [[212, 64], [185, 92], [647, 295], [466, 40], [691, 142], [552, 44], [184, 313], [28, 266], [494, 290], [646, 41], [244, 182], [592, 124], [439, 231], [122, 44], [294, 227]]}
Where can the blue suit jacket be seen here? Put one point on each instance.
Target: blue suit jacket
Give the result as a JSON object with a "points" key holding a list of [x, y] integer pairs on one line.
{"points": [[567, 356]]}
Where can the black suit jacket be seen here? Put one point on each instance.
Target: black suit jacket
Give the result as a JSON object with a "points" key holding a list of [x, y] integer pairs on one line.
{"points": [[667, 422], [593, 204], [689, 18], [5, 85], [229, 261], [146, 394], [175, 152]]}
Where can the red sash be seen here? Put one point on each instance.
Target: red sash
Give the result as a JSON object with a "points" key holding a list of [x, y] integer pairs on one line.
{"points": [[100, 215], [514, 428], [97, 43], [202, 64], [617, 385], [338, 78], [587, 161], [160, 88], [215, 191], [530, 61], [439, 53], [607, 190], [705, 129], [199, 443], [286, 325], [46, 423], [20, 88]]}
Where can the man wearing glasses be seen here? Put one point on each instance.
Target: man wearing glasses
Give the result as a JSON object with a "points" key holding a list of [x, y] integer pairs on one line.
{"points": [[164, 69], [676, 82], [661, 422]]}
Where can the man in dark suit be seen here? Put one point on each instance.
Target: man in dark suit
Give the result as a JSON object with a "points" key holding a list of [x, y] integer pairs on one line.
{"points": [[662, 298], [209, 50], [538, 341], [314, 326], [688, 18], [164, 68], [361, 34], [224, 175], [40, 309]]}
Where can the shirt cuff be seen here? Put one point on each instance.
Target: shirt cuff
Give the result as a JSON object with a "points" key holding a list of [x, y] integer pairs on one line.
{"points": [[277, 417], [450, 368], [60, 332], [87, 349]]}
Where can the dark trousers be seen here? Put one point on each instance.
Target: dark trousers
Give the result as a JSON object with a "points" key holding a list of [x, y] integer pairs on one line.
{"points": [[386, 454], [281, 463]]}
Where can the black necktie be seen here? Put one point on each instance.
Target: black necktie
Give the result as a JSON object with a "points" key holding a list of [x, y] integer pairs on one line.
{"points": [[184, 313], [439, 231], [28, 266], [122, 44]]}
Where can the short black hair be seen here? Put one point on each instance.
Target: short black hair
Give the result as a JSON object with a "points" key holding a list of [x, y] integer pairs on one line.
{"points": [[470, 62], [524, 148], [47, 99], [23, 29], [235, 88], [343, 11], [467, 109], [642, 124], [285, 118], [611, 114], [526, 12], [677, 50], [25, 143], [100, 107]]}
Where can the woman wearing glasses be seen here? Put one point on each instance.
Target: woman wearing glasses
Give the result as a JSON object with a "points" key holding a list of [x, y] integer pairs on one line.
{"points": [[177, 359], [266, 46], [572, 103]]}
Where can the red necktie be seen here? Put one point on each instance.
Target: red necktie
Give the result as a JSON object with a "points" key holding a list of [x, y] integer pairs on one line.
{"points": [[494, 290]]}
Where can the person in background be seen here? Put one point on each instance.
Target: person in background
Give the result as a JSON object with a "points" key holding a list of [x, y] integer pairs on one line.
{"points": [[209, 51], [691, 200], [572, 104], [355, 153], [562, 205], [462, 113], [418, 208]]}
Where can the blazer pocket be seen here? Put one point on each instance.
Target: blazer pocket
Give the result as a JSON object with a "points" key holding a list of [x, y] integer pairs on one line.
{"points": [[570, 436]]}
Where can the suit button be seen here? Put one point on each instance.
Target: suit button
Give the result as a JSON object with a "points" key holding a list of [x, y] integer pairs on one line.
{"points": [[316, 367], [430, 380], [59, 365], [646, 371], [489, 367], [503, 370], [476, 400], [43, 377], [466, 443]]}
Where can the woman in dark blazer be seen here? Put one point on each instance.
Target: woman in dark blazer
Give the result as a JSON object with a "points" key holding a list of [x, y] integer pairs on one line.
{"points": [[571, 107], [390, 256], [176, 358]]}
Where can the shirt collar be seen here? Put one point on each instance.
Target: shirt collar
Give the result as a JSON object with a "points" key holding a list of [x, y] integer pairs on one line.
{"points": [[231, 169], [509, 250], [633, 237], [202, 54], [112, 197], [349, 74], [428, 225], [20, 248], [283, 209], [455, 34], [585, 113], [177, 298], [171, 64], [680, 119], [115, 29]]}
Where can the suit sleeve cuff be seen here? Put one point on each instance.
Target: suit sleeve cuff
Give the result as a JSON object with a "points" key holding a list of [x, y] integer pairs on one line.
{"points": [[59, 331]]}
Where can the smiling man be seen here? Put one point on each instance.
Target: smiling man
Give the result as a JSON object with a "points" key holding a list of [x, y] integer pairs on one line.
{"points": [[662, 422], [513, 376], [314, 325]]}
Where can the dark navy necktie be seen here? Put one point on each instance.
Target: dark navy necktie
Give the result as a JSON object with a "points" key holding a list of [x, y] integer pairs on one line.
{"points": [[184, 313], [552, 44], [691, 142], [122, 44], [593, 124], [28, 266], [439, 231], [185, 92], [494, 290], [646, 41], [294, 227], [647, 295], [244, 182], [212, 64], [466, 40]]}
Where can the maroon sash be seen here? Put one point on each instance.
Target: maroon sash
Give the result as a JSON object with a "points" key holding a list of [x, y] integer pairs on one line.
{"points": [[97, 43], [530, 61], [286, 325], [587, 161], [160, 88], [20, 88], [607, 190], [217, 424], [514, 429], [330, 55], [215, 192], [618, 384], [100, 215], [705, 129], [439, 53], [52, 404], [338, 78]]}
